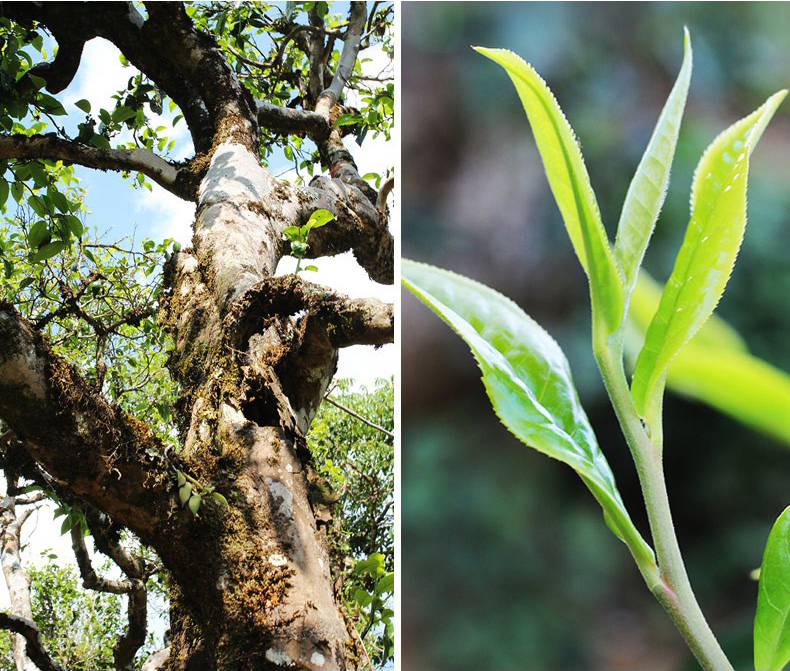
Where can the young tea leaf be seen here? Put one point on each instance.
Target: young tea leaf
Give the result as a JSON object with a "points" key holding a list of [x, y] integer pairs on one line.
{"points": [[647, 190], [528, 381], [570, 184], [707, 255], [772, 622]]}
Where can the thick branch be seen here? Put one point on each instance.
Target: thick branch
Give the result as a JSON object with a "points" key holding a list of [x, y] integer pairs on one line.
{"points": [[288, 120], [107, 458], [35, 647], [50, 146], [359, 225], [359, 321]]}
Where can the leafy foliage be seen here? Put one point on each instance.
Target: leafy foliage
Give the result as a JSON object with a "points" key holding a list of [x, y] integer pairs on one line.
{"points": [[78, 627], [297, 235], [357, 461]]}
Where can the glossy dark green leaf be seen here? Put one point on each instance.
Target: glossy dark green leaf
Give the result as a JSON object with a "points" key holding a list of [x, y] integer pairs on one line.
{"points": [[772, 622], [648, 188], [38, 234], [707, 255], [528, 381], [48, 251], [570, 184]]}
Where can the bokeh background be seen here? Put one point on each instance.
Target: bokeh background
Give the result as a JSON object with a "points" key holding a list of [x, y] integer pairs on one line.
{"points": [[506, 561]]}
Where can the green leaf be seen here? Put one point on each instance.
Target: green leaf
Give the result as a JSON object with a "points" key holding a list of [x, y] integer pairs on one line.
{"points": [[60, 201], [3, 192], [648, 188], [194, 503], [122, 113], [39, 232], [317, 219], [567, 175], [75, 226], [221, 499], [707, 255], [528, 381], [48, 251], [716, 368], [386, 584], [184, 492], [100, 142], [84, 105], [772, 622], [16, 191], [181, 479]]}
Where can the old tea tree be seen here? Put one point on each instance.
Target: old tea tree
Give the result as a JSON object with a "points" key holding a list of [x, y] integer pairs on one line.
{"points": [[527, 376]]}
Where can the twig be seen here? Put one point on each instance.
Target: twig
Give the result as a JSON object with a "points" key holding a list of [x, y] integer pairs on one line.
{"points": [[360, 417]]}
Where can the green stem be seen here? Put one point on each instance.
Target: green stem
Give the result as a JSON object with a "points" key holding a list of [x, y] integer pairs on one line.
{"points": [[673, 591]]}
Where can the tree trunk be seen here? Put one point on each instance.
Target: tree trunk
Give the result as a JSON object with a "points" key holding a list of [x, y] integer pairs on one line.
{"points": [[254, 354]]}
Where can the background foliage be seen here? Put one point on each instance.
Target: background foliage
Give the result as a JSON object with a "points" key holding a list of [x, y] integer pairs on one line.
{"points": [[505, 556]]}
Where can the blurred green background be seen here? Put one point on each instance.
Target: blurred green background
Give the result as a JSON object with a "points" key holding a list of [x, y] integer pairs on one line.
{"points": [[506, 561]]}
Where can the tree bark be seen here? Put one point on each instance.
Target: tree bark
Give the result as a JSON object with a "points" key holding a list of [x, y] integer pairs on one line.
{"points": [[254, 355]]}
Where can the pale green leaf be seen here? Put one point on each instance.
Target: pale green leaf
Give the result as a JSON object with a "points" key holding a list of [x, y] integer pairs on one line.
{"points": [[772, 622], [570, 184], [194, 503], [528, 381], [648, 188], [707, 255], [184, 492], [220, 498], [715, 367]]}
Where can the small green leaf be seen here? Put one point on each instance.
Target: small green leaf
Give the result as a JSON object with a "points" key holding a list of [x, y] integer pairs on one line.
{"points": [[648, 188], [221, 499], [707, 255], [194, 503], [3, 191], [570, 184], [311, 268], [84, 105], [17, 190], [181, 479], [184, 492], [317, 219], [529, 383], [772, 622], [48, 251]]}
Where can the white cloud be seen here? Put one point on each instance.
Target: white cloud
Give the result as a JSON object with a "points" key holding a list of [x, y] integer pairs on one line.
{"points": [[100, 76], [167, 215]]}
